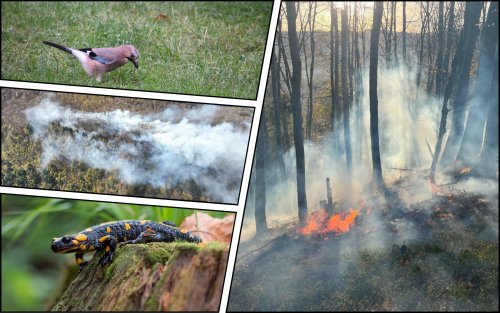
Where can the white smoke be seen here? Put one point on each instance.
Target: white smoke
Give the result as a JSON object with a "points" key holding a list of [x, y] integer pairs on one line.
{"points": [[163, 149]]}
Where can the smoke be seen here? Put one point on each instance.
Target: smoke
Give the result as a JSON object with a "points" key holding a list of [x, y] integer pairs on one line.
{"points": [[162, 149]]}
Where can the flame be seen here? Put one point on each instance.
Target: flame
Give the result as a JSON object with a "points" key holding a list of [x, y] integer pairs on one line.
{"points": [[465, 170], [340, 223], [320, 222]]}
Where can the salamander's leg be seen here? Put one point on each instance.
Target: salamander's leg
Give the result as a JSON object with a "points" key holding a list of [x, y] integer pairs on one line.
{"points": [[80, 261], [109, 244], [146, 236]]}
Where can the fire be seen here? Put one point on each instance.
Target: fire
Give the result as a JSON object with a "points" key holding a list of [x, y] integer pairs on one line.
{"points": [[465, 170], [320, 222]]}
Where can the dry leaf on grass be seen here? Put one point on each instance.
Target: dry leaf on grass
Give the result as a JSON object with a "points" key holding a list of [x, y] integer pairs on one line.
{"points": [[211, 228]]}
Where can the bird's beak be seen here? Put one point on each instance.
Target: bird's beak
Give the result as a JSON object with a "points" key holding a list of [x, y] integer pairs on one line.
{"points": [[136, 63]]}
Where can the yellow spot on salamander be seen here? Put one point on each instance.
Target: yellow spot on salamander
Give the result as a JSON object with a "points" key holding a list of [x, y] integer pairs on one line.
{"points": [[107, 248], [183, 230], [75, 242], [102, 239], [143, 222], [91, 248], [127, 226], [83, 247], [125, 238], [79, 261], [108, 229], [81, 237]]}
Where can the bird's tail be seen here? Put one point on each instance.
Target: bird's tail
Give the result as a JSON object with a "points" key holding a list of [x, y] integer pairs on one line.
{"points": [[55, 45]]}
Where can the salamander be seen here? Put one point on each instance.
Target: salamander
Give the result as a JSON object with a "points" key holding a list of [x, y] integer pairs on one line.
{"points": [[106, 236]]}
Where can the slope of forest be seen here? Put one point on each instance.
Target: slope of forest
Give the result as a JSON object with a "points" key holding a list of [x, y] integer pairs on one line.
{"points": [[36, 153], [375, 184]]}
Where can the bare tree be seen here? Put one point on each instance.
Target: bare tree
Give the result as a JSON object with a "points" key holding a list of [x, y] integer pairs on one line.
{"points": [[375, 145], [472, 11], [473, 133], [312, 22], [404, 33], [345, 92], [260, 177], [470, 34], [297, 111]]}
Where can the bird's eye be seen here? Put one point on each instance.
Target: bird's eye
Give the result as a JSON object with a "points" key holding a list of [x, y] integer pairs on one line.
{"points": [[66, 240]]}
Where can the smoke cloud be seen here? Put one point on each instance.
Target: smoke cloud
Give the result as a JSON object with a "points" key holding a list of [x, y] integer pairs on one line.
{"points": [[162, 149]]}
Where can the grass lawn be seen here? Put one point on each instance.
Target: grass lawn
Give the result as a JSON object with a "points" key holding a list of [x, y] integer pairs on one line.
{"points": [[198, 48]]}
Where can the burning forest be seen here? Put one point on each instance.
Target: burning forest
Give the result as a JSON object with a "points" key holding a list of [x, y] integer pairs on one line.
{"points": [[375, 181]]}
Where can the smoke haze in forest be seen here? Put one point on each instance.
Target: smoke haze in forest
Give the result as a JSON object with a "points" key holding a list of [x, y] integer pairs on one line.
{"points": [[163, 149]]}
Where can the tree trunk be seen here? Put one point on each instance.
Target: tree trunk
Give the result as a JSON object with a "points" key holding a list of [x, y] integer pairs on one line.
{"points": [[488, 159], [375, 146], [470, 33], [312, 22], [449, 44], [155, 276], [345, 93], [424, 14], [404, 33], [457, 69], [275, 77], [440, 53], [394, 7], [336, 89], [260, 177], [473, 133], [297, 112], [333, 14]]}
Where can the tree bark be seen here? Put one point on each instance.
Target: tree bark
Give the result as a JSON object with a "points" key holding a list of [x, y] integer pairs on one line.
{"points": [[488, 159], [473, 133], [440, 53], [155, 276], [275, 80], [297, 112], [467, 44], [312, 22], [375, 143], [404, 33], [260, 177], [449, 45], [345, 93], [456, 70]]}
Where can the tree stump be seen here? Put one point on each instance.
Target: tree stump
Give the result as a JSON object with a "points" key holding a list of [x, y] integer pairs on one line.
{"points": [[155, 276]]}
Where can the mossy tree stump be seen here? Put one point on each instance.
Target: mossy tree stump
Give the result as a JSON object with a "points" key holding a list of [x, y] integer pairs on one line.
{"points": [[154, 276]]}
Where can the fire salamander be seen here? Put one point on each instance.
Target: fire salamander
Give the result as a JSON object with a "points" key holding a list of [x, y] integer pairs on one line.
{"points": [[106, 236]]}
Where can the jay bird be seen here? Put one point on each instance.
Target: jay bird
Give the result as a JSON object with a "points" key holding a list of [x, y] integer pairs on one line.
{"points": [[97, 61]]}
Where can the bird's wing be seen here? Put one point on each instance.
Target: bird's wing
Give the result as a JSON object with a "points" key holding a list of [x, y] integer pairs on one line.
{"points": [[104, 59]]}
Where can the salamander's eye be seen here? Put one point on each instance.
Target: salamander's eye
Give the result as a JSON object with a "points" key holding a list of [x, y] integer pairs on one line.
{"points": [[66, 240]]}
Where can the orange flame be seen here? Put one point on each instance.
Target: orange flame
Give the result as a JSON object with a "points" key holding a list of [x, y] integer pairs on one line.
{"points": [[465, 170], [320, 223]]}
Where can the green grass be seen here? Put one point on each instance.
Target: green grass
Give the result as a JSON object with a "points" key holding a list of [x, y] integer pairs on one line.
{"points": [[201, 48]]}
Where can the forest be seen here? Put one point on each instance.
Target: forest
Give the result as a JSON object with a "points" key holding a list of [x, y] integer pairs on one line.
{"points": [[375, 181], [125, 146]]}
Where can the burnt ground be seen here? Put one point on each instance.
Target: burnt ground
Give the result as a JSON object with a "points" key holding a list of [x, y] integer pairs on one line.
{"points": [[436, 254]]}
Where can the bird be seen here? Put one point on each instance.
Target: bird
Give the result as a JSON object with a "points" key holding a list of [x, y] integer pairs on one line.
{"points": [[97, 61]]}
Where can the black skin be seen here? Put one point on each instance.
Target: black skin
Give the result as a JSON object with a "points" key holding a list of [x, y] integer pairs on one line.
{"points": [[107, 236]]}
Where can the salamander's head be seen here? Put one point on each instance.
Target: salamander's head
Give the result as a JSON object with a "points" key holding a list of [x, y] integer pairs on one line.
{"points": [[68, 244]]}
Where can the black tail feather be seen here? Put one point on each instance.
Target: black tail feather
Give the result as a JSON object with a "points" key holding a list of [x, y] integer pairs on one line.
{"points": [[55, 45]]}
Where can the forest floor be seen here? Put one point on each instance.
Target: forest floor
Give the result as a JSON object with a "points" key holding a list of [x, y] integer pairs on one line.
{"points": [[439, 253]]}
